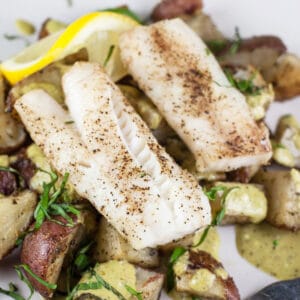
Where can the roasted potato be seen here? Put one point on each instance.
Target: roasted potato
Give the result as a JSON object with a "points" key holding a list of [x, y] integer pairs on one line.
{"points": [[168, 9], [246, 203], [286, 146], [149, 283], [120, 274], [16, 212], [47, 249], [48, 79], [37, 157], [12, 133], [112, 246], [260, 52], [199, 274], [143, 105], [203, 25], [284, 74], [50, 26], [283, 193], [243, 175], [259, 94]]}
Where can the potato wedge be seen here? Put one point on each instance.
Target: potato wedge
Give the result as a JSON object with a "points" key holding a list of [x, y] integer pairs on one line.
{"points": [[45, 250], [286, 146], [119, 275], [112, 246], [12, 133], [285, 76], [199, 274], [283, 193], [16, 213], [246, 203], [149, 283]]}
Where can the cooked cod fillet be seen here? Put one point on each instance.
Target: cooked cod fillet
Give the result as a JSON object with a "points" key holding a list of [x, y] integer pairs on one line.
{"points": [[155, 189], [176, 70], [146, 211]]}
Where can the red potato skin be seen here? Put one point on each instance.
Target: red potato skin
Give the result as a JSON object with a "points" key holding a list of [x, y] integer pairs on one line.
{"points": [[42, 248], [268, 41], [202, 259], [169, 9]]}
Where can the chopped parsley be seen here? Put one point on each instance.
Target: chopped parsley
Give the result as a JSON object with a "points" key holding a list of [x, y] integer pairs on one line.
{"points": [[275, 244], [48, 205], [177, 252], [217, 220], [234, 48], [13, 290], [216, 46], [245, 86], [14, 37], [133, 292], [69, 122], [109, 54], [94, 285]]}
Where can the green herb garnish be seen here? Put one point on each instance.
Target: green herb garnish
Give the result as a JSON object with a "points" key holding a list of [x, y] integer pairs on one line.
{"points": [[13, 37], [69, 122], [217, 220], [216, 45], [125, 11], [98, 284], [25, 280], [82, 260], [109, 54], [245, 86], [236, 42], [12, 292], [133, 292], [275, 244], [177, 252], [26, 268], [48, 206], [211, 194]]}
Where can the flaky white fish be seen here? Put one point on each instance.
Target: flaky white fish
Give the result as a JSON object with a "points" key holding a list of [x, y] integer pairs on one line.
{"points": [[177, 71], [113, 159]]}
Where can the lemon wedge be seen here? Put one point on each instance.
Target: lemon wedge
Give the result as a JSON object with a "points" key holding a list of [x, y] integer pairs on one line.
{"points": [[98, 32]]}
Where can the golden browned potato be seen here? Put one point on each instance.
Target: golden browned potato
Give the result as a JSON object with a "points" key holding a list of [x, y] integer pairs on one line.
{"points": [[285, 76], [12, 133], [282, 189], [286, 145], [245, 203], [259, 94], [112, 246], [48, 79], [16, 212], [120, 275], [199, 274], [50, 26]]}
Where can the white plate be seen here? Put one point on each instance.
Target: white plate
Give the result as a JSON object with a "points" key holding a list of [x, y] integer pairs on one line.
{"points": [[253, 17]]}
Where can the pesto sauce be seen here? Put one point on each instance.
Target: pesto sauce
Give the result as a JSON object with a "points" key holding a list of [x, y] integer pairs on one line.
{"points": [[273, 250]]}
